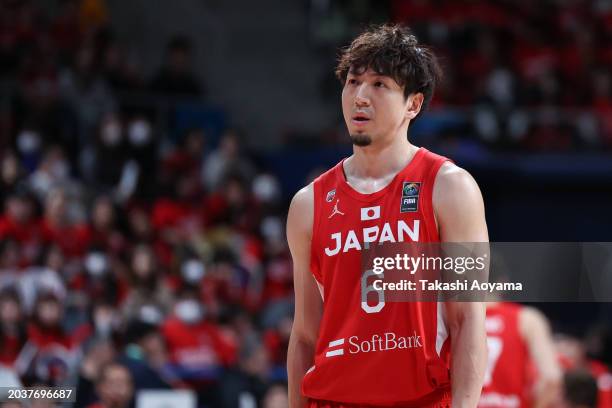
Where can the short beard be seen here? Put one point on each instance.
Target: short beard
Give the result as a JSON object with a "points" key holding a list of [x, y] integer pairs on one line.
{"points": [[361, 140]]}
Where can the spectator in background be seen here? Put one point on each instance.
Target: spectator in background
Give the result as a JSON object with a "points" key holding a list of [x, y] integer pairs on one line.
{"points": [[105, 234], [176, 77], [138, 176], [186, 160], [98, 354], [52, 172], [19, 223], [13, 334], [86, 95], [177, 214], [233, 205], [579, 390], [114, 387], [108, 154], [226, 159], [246, 384], [46, 329], [140, 228], [199, 348], [62, 226], [146, 285], [52, 351], [146, 356], [41, 277], [10, 173], [9, 262], [120, 70]]}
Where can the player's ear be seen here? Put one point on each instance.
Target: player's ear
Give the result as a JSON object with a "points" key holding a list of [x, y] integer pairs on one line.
{"points": [[413, 105]]}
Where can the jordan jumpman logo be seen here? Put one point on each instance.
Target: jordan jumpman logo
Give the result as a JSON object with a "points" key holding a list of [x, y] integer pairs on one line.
{"points": [[336, 210]]}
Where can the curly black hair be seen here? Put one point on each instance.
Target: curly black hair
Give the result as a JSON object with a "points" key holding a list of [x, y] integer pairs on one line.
{"points": [[392, 50]]}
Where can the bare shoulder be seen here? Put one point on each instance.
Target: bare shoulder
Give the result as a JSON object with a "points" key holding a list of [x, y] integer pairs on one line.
{"points": [[301, 212], [458, 206], [454, 182], [304, 198]]}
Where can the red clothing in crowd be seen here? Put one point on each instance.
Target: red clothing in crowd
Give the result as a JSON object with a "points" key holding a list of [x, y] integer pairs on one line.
{"points": [[200, 344], [73, 240], [22, 233], [27, 235], [10, 347], [44, 338]]}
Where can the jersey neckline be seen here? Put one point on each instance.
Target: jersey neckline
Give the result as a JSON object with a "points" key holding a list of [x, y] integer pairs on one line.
{"points": [[347, 188]]}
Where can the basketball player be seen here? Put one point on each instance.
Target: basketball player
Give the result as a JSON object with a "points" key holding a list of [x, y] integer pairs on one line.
{"points": [[517, 337], [347, 352]]}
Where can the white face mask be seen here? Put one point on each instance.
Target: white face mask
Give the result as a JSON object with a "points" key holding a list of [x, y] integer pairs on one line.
{"points": [[266, 188], [28, 141], [105, 323], [272, 228], [193, 271], [139, 132], [96, 263], [189, 311], [150, 314]]}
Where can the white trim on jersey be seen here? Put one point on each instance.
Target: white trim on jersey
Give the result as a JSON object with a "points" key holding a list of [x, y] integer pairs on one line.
{"points": [[441, 327]]}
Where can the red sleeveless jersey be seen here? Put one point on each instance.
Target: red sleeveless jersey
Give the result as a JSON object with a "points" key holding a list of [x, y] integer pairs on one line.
{"points": [[375, 353], [507, 378]]}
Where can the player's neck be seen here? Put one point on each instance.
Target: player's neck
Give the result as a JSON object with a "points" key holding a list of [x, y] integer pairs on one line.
{"points": [[380, 160]]}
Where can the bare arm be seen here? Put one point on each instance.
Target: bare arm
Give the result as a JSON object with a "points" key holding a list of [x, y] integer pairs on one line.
{"points": [[460, 215], [536, 332], [308, 302]]}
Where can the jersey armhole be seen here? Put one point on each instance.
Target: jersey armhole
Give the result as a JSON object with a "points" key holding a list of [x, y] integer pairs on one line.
{"points": [[314, 260], [431, 179]]}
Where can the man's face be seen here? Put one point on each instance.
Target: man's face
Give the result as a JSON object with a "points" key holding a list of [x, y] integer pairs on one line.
{"points": [[116, 389], [374, 107]]}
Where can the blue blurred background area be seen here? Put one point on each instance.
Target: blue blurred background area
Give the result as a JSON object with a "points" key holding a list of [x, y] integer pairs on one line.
{"points": [[149, 150]]}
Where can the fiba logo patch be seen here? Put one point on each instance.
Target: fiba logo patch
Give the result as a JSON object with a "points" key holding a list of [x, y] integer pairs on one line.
{"points": [[410, 197], [330, 195]]}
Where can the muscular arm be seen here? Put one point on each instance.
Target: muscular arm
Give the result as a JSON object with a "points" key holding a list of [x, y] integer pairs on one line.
{"points": [[308, 302], [460, 215], [534, 329]]}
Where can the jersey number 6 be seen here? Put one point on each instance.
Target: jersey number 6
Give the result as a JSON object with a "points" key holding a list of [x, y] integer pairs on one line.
{"points": [[365, 289]]}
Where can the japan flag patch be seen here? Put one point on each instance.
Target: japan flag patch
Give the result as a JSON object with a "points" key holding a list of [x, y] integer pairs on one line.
{"points": [[370, 213]]}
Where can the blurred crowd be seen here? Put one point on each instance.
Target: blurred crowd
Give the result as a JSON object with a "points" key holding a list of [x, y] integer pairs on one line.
{"points": [[519, 75], [129, 259]]}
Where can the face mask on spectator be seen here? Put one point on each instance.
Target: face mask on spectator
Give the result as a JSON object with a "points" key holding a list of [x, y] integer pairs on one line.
{"points": [[139, 132], [105, 323], [96, 264], [193, 271], [272, 228], [189, 311], [28, 141], [111, 134], [265, 188], [150, 314]]}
